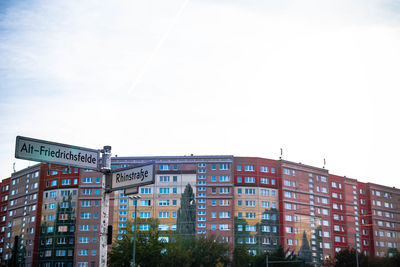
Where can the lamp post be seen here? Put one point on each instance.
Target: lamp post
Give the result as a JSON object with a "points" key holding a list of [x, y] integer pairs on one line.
{"points": [[134, 199]]}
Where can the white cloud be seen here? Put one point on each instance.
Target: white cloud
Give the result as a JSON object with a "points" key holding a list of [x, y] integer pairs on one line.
{"points": [[314, 77]]}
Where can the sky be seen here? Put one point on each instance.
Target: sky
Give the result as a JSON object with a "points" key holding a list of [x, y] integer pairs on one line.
{"points": [[319, 79]]}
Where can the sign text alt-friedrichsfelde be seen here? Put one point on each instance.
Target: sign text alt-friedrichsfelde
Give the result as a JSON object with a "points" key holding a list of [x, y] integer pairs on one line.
{"points": [[45, 151]]}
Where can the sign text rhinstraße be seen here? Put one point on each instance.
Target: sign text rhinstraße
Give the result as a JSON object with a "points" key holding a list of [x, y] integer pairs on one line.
{"points": [[133, 177], [45, 151]]}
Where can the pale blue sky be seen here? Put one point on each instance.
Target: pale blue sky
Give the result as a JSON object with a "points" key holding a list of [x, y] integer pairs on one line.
{"points": [[317, 78]]}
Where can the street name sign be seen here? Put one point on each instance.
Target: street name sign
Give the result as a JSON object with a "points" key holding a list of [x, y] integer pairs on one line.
{"points": [[45, 151], [132, 176]]}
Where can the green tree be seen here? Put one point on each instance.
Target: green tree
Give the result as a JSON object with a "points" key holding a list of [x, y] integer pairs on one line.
{"points": [[392, 259], [149, 247], [208, 252], [178, 252], [279, 254], [347, 258], [186, 217], [241, 257]]}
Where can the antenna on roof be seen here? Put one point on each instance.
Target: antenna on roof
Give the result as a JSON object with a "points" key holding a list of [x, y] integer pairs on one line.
{"points": [[14, 166], [281, 154], [324, 163]]}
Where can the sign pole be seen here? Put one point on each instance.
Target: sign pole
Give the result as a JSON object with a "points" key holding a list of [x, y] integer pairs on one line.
{"points": [[105, 169]]}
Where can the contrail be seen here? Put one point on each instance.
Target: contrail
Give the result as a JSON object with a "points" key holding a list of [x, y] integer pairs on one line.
{"points": [[157, 48]]}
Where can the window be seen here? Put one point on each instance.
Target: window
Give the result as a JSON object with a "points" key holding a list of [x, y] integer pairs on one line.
{"points": [[163, 214], [264, 180], [84, 227], [239, 180], [224, 178], [223, 227], [164, 190], [239, 168], [85, 215], [250, 228], [250, 191], [265, 204], [224, 214], [250, 203], [86, 191], [224, 190], [163, 202], [249, 179], [250, 215], [224, 202], [263, 169], [85, 203], [164, 167], [145, 215], [87, 180], [249, 168], [83, 240], [144, 227], [83, 252], [63, 228], [164, 179], [66, 182], [224, 166], [144, 190]]}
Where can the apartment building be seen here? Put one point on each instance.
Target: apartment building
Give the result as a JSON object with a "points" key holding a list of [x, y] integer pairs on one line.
{"points": [[50, 214], [23, 214], [4, 193], [210, 180], [256, 198], [383, 218], [306, 211]]}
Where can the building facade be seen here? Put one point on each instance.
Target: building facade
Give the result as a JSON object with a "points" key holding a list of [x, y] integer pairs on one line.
{"points": [[50, 214]]}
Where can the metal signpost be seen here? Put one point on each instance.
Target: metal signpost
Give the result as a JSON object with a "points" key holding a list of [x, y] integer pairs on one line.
{"points": [[128, 179]]}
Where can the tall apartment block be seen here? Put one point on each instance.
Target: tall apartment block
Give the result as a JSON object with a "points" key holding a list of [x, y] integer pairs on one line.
{"points": [[4, 194], [50, 214], [210, 179]]}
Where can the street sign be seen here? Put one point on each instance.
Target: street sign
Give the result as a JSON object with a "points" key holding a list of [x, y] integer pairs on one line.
{"points": [[131, 191], [45, 151], [133, 176]]}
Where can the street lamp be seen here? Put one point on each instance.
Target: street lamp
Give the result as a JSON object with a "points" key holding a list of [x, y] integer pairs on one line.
{"points": [[135, 200]]}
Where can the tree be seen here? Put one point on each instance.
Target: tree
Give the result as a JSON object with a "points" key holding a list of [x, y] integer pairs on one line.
{"points": [[347, 258], [279, 255], [241, 257], [178, 252], [149, 248], [186, 217], [208, 252]]}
